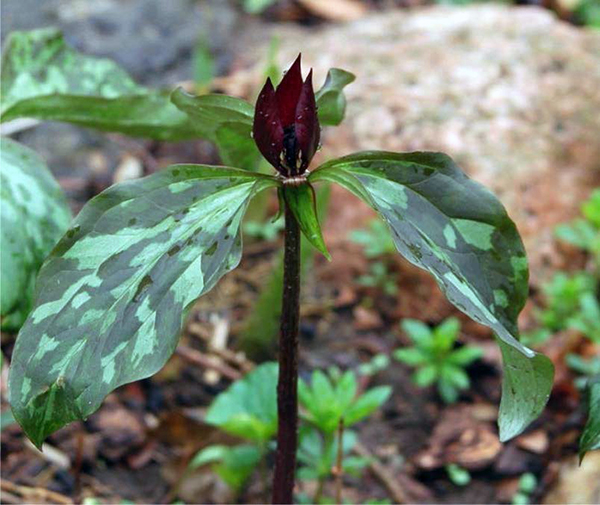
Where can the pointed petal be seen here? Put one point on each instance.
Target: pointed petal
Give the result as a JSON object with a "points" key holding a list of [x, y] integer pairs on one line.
{"points": [[267, 128], [288, 93], [308, 131]]}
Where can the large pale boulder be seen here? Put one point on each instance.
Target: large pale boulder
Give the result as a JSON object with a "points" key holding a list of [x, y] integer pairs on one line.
{"points": [[512, 94]]}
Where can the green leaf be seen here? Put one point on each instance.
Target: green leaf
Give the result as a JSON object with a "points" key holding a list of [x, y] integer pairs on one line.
{"points": [[234, 465], [345, 390], [465, 355], [590, 438], [236, 147], [426, 376], [366, 404], [257, 6], [411, 356], [112, 296], [526, 388], [34, 216], [249, 407], [209, 112], [447, 390], [446, 333], [453, 227], [302, 200], [418, 332], [331, 101], [44, 78], [455, 376], [458, 475], [226, 121]]}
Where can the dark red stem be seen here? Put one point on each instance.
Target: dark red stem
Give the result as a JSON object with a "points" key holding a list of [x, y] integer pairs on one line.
{"points": [[287, 386]]}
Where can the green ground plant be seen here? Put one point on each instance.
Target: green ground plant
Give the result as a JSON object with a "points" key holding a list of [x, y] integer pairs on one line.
{"points": [[436, 358], [113, 294], [527, 484], [248, 410], [380, 277]]}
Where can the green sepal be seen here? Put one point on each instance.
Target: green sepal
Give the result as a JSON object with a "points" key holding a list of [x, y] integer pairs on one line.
{"points": [[302, 201], [331, 101]]}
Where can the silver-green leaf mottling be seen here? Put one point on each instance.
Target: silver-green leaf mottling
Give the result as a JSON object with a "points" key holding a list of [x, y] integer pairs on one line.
{"points": [[456, 229], [590, 438], [35, 215], [44, 78], [111, 298]]}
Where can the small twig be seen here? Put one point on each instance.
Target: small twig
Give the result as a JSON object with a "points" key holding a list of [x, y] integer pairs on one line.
{"points": [[218, 341], [235, 358], [197, 358], [382, 474], [51, 454], [33, 494], [139, 150], [338, 471]]}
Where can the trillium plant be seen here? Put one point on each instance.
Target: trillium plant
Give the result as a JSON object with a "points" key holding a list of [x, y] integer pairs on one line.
{"points": [[112, 296]]}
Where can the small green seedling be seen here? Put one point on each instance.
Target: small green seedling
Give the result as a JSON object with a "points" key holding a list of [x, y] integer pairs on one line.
{"points": [[586, 368], [458, 475], [564, 297], [263, 230], [375, 240], [327, 400], [330, 405], [378, 363], [436, 359], [527, 485], [584, 233], [379, 277], [248, 409], [317, 455], [234, 465]]}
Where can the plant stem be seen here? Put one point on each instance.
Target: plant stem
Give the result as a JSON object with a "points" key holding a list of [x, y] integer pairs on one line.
{"points": [[287, 386], [339, 470]]}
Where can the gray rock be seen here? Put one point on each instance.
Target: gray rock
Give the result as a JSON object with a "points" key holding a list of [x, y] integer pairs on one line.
{"points": [[152, 39], [512, 94]]}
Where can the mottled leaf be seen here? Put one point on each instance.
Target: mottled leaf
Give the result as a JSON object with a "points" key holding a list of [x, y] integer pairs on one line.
{"points": [[248, 408], [526, 387], [44, 78], [331, 101], [453, 227], [301, 199], [590, 438], [34, 216], [112, 296], [209, 112]]}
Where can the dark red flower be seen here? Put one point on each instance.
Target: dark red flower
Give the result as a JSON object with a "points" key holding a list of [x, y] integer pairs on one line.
{"points": [[286, 127]]}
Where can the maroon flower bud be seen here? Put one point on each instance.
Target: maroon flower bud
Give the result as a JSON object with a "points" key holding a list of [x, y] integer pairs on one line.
{"points": [[286, 127]]}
